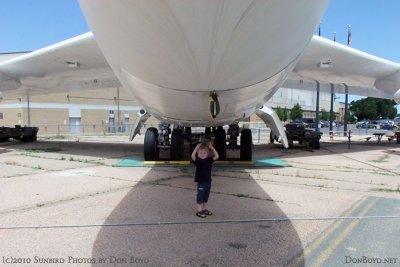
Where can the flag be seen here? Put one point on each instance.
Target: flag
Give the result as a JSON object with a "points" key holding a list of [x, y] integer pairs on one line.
{"points": [[349, 36]]}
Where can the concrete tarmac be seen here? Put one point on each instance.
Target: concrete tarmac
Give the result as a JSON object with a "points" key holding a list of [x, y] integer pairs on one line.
{"points": [[63, 204]]}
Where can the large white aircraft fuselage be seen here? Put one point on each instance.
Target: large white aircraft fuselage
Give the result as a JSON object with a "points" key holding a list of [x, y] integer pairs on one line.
{"points": [[172, 54]]}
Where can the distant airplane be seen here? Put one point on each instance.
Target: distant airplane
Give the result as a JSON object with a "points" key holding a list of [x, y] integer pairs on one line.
{"points": [[205, 63]]}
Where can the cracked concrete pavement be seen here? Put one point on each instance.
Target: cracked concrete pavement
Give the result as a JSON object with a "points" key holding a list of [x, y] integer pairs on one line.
{"points": [[62, 201]]}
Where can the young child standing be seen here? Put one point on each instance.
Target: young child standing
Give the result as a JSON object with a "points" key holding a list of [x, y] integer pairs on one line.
{"points": [[203, 162]]}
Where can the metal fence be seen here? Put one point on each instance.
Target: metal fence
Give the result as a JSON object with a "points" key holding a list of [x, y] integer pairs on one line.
{"points": [[260, 132]]}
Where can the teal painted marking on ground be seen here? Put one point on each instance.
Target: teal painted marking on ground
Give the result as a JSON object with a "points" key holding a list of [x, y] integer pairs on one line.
{"points": [[272, 162], [130, 162], [264, 162]]}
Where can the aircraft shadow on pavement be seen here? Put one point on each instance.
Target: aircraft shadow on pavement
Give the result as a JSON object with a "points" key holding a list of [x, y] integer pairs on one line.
{"points": [[168, 195], [4, 150]]}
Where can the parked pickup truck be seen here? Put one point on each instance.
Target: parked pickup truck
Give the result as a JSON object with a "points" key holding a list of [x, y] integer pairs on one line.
{"points": [[20, 133]]}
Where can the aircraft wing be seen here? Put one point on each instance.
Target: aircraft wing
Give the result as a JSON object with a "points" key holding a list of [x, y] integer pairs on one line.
{"points": [[329, 63], [74, 64]]}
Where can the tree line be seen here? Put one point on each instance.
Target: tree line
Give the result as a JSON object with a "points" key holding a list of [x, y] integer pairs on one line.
{"points": [[369, 108]]}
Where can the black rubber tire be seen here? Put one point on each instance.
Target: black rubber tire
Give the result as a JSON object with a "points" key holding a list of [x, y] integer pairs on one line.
{"points": [[246, 145], [177, 142], [220, 143], [151, 151], [317, 145]]}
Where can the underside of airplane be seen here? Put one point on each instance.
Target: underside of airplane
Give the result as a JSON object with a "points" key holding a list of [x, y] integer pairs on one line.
{"points": [[208, 64]]}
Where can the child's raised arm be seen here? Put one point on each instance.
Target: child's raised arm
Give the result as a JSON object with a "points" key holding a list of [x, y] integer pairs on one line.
{"points": [[195, 151], [216, 156]]}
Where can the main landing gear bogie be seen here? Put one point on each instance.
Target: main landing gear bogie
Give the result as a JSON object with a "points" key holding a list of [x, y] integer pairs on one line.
{"points": [[181, 138]]}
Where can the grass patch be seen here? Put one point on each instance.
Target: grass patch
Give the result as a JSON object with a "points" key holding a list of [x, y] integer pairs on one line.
{"points": [[55, 137], [11, 163], [43, 149], [387, 190], [381, 159]]}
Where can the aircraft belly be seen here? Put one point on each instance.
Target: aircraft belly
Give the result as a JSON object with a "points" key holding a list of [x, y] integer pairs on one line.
{"points": [[172, 54], [193, 107]]}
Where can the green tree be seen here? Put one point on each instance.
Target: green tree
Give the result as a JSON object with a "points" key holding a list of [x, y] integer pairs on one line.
{"points": [[372, 108], [324, 115], [285, 115], [386, 108], [297, 112], [282, 113]]}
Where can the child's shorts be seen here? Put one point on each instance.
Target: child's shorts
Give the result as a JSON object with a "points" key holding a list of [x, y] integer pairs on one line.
{"points": [[203, 192]]}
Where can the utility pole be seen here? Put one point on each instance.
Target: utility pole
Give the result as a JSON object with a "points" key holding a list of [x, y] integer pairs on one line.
{"points": [[349, 36]]}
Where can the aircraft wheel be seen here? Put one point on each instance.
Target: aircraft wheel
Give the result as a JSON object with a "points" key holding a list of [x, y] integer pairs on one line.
{"points": [[177, 142], [246, 144], [151, 151], [220, 143]]}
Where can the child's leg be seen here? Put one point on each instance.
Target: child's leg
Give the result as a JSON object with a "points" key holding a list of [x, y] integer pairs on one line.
{"points": [[200, 196], [206, 196], [200, 207]]}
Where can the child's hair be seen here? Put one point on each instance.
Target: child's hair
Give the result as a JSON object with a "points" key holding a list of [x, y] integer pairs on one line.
{"points": [[203, 146]]}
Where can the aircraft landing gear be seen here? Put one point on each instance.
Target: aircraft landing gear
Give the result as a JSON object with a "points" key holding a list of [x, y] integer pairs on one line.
{"points": [[162, 138], [246, 145], [220, 142], [177, 142], [151, 150]]}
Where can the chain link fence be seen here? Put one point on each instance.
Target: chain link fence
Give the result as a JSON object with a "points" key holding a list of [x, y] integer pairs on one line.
{"points": [[260, 132]]}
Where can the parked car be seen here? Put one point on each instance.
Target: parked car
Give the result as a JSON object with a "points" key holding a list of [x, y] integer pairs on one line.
{"points": [[367, 124], [386, 124], [362, 124]]}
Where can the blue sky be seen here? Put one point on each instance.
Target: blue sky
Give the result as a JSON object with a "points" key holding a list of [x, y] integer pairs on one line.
{"points": [[27, 25]]}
